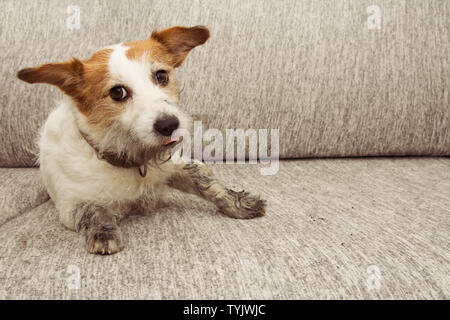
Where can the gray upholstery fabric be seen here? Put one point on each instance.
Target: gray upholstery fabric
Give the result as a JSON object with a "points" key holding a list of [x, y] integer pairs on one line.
{"points": [[21, 190], [311, 68], [328, 221]]}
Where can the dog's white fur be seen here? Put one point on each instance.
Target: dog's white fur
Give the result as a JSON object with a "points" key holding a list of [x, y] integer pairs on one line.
{"points": [[71, 171]]}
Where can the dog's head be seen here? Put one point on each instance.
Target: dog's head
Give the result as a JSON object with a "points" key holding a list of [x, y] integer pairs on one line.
{"points": [[125, 95]]}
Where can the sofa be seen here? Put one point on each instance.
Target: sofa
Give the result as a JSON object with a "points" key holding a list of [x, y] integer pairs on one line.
{"points": [[360, 205]]}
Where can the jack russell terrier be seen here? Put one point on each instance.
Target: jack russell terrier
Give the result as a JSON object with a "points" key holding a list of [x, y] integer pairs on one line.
{"points": [[105, 150]]}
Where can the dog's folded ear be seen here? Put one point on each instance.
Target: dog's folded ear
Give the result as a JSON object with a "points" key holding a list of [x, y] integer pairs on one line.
{"points": [[65, 75], [178, 41]]}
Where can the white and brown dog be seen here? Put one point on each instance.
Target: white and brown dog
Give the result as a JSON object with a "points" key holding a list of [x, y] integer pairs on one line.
{"points": [[117, 118]]}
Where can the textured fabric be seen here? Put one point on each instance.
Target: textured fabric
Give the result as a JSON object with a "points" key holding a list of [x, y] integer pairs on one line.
{"points": [[20, 191], [329, 224], [311, 68]]}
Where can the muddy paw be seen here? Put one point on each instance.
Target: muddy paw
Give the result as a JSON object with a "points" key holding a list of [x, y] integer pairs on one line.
{"points": [[242, 205], [104, 240]]}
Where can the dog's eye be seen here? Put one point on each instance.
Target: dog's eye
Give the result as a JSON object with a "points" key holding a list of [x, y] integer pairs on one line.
{"points": [[162, 77], [118, 93]]}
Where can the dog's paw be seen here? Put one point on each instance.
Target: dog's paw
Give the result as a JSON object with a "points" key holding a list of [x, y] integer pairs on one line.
{"points": [[242, 205], [104, 240]]}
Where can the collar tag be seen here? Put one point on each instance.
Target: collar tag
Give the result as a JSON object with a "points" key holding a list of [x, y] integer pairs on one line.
{"points": [[143, 170]]}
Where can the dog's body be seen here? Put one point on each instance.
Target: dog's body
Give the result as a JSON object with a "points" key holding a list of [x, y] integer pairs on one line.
{"points": [[73, 173], [102, 149]]}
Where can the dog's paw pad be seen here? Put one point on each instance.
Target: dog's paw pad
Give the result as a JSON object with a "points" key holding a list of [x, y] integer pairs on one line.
{"points": [[104, 241]]}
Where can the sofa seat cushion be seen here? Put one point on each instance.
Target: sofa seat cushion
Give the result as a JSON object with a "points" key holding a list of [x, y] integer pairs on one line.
{"points": [[343, 228], [21, 190]]}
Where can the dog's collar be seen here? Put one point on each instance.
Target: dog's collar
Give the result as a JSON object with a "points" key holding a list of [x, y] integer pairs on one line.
{"points": [[114, 159]]}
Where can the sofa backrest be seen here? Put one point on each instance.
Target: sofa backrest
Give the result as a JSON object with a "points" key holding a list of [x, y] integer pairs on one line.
{"points": [[337, 78]]}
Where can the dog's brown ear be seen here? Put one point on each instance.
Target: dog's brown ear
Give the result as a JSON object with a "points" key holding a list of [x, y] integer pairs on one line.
{"points": [[65, 75], [180, 40]]}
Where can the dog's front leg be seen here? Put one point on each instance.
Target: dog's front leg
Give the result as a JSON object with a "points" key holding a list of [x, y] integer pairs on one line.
{"points": [[198, 178], [100, 227]]}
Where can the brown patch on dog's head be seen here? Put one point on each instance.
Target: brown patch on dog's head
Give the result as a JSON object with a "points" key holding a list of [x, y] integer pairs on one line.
{"points": [[85, 81], [169, 46], [168, 49], [89, 82], [93, 98]]}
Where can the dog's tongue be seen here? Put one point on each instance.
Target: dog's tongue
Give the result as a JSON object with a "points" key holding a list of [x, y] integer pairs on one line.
{"points": [[171, 140]]}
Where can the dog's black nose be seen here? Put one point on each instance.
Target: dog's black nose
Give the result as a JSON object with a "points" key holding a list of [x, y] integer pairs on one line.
{"points": [[166, 125]]}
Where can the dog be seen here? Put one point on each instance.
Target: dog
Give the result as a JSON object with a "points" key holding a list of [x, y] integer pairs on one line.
{"points": [[104, 151]]}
